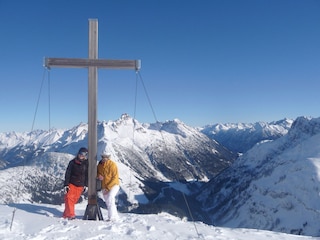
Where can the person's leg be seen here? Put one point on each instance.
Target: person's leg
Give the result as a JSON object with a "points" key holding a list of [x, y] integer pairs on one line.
{"points": [[110, 200], [70, 199]]}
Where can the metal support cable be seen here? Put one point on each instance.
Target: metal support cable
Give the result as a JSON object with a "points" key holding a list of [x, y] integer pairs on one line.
{"points": [[167, 150], [30, 134]]}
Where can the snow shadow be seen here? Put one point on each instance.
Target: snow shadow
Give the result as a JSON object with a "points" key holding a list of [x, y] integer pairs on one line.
{"points": [[41, 210]]}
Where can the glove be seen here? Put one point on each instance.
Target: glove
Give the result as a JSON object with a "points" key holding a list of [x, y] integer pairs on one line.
{"points": [[85, 189], [66, 189]]}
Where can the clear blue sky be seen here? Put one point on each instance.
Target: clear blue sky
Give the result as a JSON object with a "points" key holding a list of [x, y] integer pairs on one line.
{"points": [[203, 62]]}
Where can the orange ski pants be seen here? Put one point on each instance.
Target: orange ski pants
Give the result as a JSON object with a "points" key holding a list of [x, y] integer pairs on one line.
{"points": [[70, 199]]}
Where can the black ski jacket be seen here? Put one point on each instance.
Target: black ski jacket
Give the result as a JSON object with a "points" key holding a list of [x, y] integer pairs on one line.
{"points": [[77, 173]]}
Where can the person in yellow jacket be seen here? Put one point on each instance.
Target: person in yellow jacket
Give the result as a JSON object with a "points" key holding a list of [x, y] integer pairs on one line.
{"points": [[107, 172]]}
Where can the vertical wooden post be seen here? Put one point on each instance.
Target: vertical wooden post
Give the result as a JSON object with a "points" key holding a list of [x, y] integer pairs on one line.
{"points": [[92, 106], [92, 208]]}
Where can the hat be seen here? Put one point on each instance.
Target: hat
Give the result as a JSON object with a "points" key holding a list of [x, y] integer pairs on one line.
{"points": [[106, 155]]}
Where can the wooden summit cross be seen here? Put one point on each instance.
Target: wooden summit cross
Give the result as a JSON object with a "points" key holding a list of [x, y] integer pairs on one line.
{"points": [[92, 63]]}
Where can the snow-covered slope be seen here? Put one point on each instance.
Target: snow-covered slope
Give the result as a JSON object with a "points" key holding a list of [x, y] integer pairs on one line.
{"points": [[42, 221], [274, 186]]}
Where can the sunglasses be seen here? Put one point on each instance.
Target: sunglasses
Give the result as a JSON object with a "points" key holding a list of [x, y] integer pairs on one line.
{"points": [[85, 154]]}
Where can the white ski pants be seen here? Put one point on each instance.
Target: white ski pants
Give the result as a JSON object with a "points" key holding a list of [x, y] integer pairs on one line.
{"points": [[110, 200]]}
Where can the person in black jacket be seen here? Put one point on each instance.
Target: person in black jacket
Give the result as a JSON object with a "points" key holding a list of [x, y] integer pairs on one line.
{"points": [[76, 182]]}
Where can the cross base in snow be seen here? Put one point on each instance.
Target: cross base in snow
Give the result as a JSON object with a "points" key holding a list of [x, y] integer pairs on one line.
{"points": [[93, 210]]}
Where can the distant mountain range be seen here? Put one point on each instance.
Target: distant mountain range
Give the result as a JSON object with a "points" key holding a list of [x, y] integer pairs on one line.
{"points": [[240, 137], [256, 175]]}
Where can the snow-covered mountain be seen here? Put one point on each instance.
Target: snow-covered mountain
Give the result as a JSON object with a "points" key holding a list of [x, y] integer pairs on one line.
{"points": [[240, 137], [274, 186], [151, 158]]}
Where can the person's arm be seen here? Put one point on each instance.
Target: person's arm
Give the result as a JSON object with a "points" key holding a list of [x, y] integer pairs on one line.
{"points": [[100, 171], [68, 174]]}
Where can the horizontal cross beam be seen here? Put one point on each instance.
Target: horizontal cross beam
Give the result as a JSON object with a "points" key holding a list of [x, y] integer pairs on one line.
{"points": [[84, 63]]}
